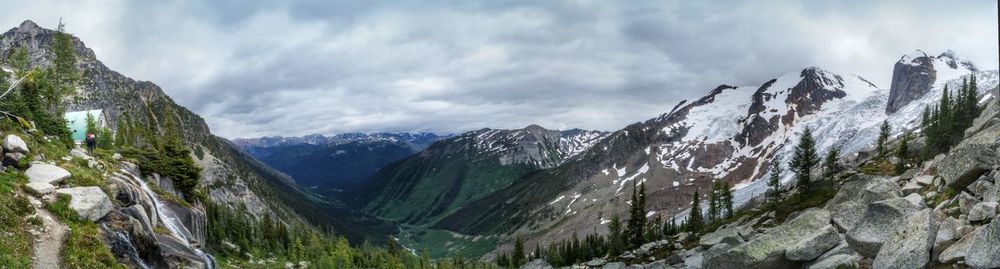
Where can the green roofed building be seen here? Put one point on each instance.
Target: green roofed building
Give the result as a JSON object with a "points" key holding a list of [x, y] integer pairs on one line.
{"points": [[77, 121]]}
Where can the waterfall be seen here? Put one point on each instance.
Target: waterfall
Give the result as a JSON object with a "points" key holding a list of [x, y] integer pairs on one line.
{"points": [[124, 245], [170, 220]]}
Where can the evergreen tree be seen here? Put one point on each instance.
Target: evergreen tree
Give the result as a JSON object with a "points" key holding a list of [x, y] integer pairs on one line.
{"points": [[616, 239], [902, 154], [774, 181], [713, 203], [104, 139], [883, 137], [91, 124], [830, 163], [637, 216], [695, 222], [518, 257], [803, 160], [727, 200]]}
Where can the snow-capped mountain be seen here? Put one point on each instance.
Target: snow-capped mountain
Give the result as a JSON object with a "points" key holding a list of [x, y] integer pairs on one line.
{"points": [[731, 135], [262, 146]]}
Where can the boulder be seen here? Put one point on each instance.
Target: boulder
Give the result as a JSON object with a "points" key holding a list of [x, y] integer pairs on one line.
{"points": [[40, 188], [90, 203], [966, 163], [980, 187], [730, 236], [536, 264], [958, 250], [910, 244], [657, 265], [596, 262], [946, 236], [767, 250], [46, 173], [13, 159], [876, 224], [815, 245], [847, 207], [966, 201], [924, 180], [13, 143], [716, 250], [983, 211], [139, 213], [694, 261], [984, 248], [614, 265], [836, 262], [915, 199], [911, 188]]}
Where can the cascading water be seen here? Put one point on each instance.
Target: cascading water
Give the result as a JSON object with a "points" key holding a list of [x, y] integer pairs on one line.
{"points": [[123, 244], [170, 221]]}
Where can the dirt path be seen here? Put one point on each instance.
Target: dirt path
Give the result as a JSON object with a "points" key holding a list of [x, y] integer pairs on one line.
{"points": [[49, 240]]}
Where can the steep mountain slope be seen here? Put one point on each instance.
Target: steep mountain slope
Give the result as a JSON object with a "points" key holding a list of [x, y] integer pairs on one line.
{"points": [[326, 163], [232, 177], [452, 172], [729, 135]]}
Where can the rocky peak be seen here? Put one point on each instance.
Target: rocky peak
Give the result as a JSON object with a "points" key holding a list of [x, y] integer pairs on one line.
{"points": [[915, 74]]}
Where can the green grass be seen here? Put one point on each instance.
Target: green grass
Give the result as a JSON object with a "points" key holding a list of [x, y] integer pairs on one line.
{"points": [[83, 247], [15, 242], [881, 167], [439, 243]]}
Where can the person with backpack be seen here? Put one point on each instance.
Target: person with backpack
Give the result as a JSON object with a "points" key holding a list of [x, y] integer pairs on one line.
{"points": [[91, 141]]}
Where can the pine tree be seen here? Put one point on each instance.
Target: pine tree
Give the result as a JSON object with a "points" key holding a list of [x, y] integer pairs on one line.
{"points": [[637, 217], [902, 154], [774, 181], [518, 257], [695, 222], [803, 160], [616, 239], [727, 200], [830, 163], [883, 137], [713, 203]]}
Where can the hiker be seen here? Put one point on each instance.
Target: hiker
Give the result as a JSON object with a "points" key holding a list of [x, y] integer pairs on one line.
{"points": [[91, 142]]}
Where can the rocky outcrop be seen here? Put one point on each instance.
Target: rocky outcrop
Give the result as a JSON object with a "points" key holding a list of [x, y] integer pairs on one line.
{"points": [[14, 144], [90, 203], [812, 247], [536, 264], [966, 163], [984, 247], [768, 250], [848, 206], [912, 77], [909, 245]]}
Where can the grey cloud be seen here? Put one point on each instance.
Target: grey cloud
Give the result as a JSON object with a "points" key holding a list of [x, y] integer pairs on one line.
{"points": [[255, 68]]}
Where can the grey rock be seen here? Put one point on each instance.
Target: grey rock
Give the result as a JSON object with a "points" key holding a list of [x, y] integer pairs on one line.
{"points": [[980, 187], [767, 250], [909, 245], [911, 188], [924, 180], [13, 159], [984, 249], [13, 143], [614, 265], [80, 153], [695, 261], [730, 236], [596, 262], [946, 236], [635, 266], [915, 199], [911, 79], [657, 265], [958, 250], [983, 211], [848, 205], [813, 246], [40, 188], [876, 224], [992, 194], [137, 212], [536, 264], [90, 203], [836, 261], [716, 250], [46, 173], [966, 201], [966, 163]]}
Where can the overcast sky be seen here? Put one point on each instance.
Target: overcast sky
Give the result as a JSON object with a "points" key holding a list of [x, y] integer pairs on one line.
{"points": [[255, 68]]}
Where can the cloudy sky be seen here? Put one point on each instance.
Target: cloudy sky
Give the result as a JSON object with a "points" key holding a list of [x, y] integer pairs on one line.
{"points": [[254, 68]]}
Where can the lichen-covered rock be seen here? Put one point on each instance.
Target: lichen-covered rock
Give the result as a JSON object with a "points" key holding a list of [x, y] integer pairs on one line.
{"points": [[966, 201], [915, 199], [836, 262], [767, 250], [980, 187], [848, 206], [966, 163], [40, 188], [946, 236], [536, 264], [90, 203], [911, 188], [730, 236], [878, 221], [983, 211], [984, 248], [957, 251], [909, 245], [46, 173], [812, 247], [924, 180]]}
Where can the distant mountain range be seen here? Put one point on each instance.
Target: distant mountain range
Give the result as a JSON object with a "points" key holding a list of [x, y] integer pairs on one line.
{"points": [[336, 161]]}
